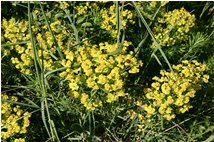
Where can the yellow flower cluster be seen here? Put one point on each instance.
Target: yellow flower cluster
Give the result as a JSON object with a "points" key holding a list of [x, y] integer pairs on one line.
{"points": [[171, 93], [91, 66], [13, 33], [84, 8], [109, 19], [173, 27], [22, 55], [9, 115], [87, 65]]}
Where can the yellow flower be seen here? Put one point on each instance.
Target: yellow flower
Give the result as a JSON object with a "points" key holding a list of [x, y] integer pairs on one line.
{"points": [[168, 110], [161, 110], [107, 87], [4, 23], [156, 85], [134, 70], [84, 98], [169, 100], [97, 104], [89, 106], [111, 98], [73, 86], [69, 55], [179, 101], [149, 109], [13, 98], [102, 79], [117, 85], [165, 88], [169, 117], [205, 78]]}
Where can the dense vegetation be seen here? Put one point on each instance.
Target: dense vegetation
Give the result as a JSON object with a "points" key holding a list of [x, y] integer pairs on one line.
{"points": [[107, 71]]}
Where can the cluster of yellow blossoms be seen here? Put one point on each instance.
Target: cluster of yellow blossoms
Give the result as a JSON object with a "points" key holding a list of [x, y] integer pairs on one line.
{"points": [[91, 65], [88, 65], [14, 33], [109, 21], [171, 93], [173, 27], [83, 8], [10, 125], [22, 54]]}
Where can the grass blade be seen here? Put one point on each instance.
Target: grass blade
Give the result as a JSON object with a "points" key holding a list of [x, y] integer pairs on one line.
{"points": [[19, 103], [32, 42], [17, 43], [151, 34], [146, 34], [51, 32], [56, 70]]}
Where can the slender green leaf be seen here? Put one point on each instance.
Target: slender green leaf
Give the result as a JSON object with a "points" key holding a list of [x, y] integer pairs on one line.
{"points": [[51, 32], [146, 33], [56, 70], [207, 5], [210, 139], [17, 43], [151, 34], [21, 104], [33, 43]]}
